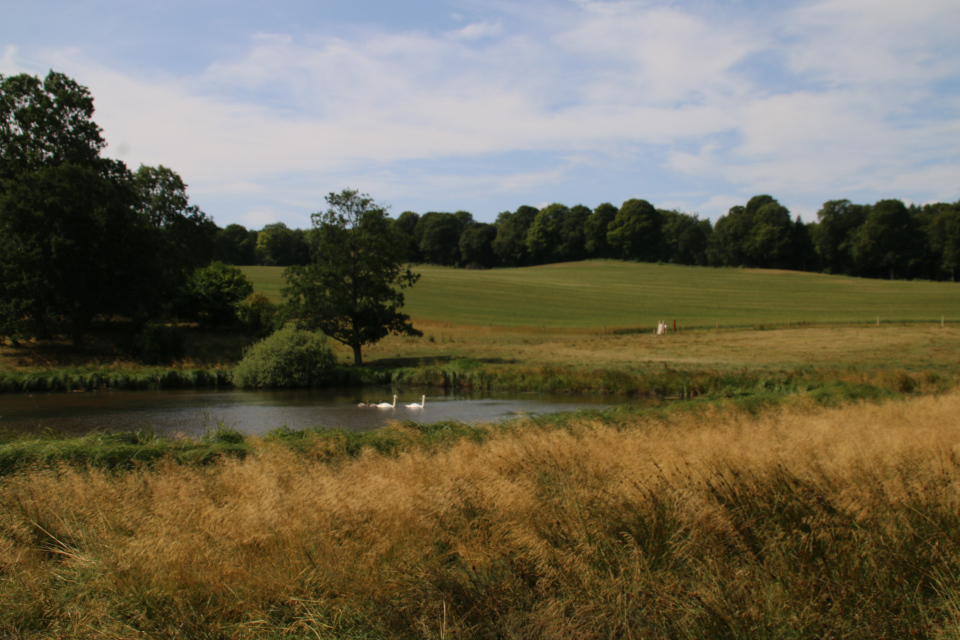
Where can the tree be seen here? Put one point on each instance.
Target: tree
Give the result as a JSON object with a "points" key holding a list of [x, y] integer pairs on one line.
{"points": [[769, 242], [280, 246], [352, 291], [761, 234], [405, 226], [438, 236], [595, 231], [838, 222], [544, 235], [476, 245], [72, 244], [635, 232], [944, 233], [236, 245], [510, 245], [572, 234], [214, 294], [887, 239], [185, 235], [685, 238]]}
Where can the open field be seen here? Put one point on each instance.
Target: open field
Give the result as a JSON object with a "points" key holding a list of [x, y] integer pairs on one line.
{"points": [[616, 295], [707, 521]]}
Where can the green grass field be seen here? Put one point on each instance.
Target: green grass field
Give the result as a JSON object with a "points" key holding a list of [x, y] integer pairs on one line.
{"points": [[598, 294]]}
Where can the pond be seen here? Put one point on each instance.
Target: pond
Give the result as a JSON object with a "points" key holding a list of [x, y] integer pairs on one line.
{"points": [[193, 413]]}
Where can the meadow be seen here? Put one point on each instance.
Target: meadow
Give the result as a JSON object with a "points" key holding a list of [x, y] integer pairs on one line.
{"points": [[602, 315], [618, 296]]}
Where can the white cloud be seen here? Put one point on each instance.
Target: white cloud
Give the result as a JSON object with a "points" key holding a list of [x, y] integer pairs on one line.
{"points": [[477, 30], [8, 63], [830, 96]]}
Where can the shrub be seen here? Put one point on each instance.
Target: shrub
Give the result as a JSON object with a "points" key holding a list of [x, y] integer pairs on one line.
{"points": [[257, 314], [214, 292], [288, 358]]}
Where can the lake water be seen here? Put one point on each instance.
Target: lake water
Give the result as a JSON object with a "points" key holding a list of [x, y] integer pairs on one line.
{"points": [[194, 412]]}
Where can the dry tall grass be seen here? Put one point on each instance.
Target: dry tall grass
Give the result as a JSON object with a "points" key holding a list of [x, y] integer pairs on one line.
{"points": [[801, 522]]}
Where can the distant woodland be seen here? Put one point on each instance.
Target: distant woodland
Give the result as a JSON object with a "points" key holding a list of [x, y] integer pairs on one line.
{"points": [[84, 237], [886, 239]]}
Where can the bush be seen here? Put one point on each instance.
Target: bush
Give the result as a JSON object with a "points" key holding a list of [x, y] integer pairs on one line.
{"points": [[213, 294], [257, 314], [288, 358]]}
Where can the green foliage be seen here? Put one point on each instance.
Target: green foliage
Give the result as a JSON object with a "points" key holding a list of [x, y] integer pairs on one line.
{"points": [[476, 245], [288, 358], [213, 294], [352, 290], [257, 314], [944, 233], [184, 234], [71, 248], [685, 238], [116, 451], [510, 245], [544, 234], [595, 231], [156, 343], [235, 245], [280, 246], [833, 236], [635, 232], [438, 236], [887, 240]]}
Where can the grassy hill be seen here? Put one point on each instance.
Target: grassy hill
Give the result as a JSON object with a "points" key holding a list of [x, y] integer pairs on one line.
{"points": [[597, 294]]}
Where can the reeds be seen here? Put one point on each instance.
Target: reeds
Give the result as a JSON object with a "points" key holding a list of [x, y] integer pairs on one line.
{"points": [[60, 380], [795, 521]]}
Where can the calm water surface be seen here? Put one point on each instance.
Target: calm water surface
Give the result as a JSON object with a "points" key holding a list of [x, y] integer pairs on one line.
{"points": [[194, 412]]}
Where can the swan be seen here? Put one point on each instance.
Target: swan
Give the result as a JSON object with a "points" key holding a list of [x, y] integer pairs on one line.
{"points": [[423, 401], [363, 404], [386, 405]]}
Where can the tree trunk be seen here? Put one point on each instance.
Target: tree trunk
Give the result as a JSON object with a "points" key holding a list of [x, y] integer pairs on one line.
{"points": [[357, 358]]}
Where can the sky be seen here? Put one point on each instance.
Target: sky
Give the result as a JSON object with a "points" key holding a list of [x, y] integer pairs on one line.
{"points": [[264, 107]]}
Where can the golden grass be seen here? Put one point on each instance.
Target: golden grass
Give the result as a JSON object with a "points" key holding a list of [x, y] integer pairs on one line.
{"points": [[800, 522]]}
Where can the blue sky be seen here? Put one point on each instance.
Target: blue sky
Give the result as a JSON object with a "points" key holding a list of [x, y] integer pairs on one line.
{"points": [[486, 105]]}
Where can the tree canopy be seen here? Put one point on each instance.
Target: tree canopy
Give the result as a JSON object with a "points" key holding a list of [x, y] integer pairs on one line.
{"points": [[352, 291], [72, 244]]}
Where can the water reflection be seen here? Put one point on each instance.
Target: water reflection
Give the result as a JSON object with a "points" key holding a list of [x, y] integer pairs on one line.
{"points": [[194, 412]]}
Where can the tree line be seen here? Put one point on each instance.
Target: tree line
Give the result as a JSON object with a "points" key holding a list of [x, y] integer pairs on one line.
{"points": [[887, 239], [84, 237]]}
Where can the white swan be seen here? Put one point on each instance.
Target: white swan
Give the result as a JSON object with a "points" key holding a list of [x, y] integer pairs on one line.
{"points": [[423, 401], [387, 405]]}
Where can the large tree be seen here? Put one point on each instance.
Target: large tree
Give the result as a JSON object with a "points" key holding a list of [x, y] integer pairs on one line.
{"points": [[635, 232], [834, 234], [185, 236], [352, 291], [887, 240], [943, 231], [71, 240]]}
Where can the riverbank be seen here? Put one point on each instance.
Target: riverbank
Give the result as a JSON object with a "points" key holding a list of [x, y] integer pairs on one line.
{"points": [[765, 515], [145, 446]]}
